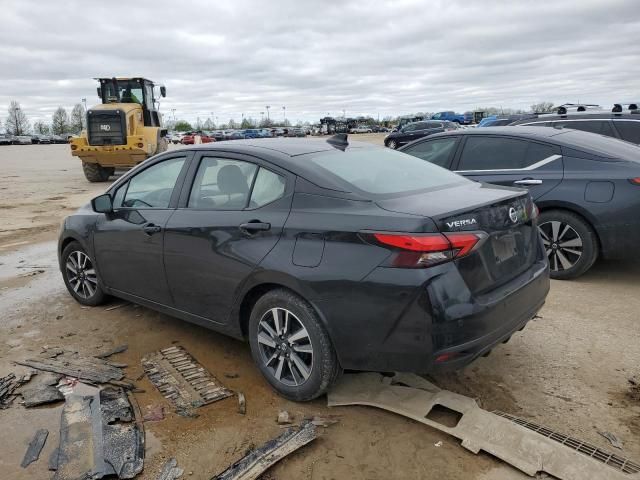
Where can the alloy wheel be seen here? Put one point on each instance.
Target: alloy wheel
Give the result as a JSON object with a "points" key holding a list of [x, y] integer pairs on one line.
{"points": [[285, 347], [392, 144], [562, 243], [81, 274]]}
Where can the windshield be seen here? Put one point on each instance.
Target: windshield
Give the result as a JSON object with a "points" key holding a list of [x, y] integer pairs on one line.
{"points": [[383, 171], [129, 91]]}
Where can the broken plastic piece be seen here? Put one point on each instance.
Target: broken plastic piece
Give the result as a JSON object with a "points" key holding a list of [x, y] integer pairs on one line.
{"points": [[242, 403], [523, 448], [259, 460], [43, 389], [88, 368], [35, 447], [170, 470]]}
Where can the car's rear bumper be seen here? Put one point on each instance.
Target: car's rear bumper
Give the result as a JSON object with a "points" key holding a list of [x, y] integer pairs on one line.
{"points": [[427, 320]]}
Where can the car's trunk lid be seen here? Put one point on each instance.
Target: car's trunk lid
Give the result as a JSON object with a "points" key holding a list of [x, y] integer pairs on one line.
{"points": [[504, 214]]}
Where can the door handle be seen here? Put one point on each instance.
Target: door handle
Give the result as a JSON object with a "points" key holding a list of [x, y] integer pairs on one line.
{"points": [[528, 181], [150, 229], [254, 226]]}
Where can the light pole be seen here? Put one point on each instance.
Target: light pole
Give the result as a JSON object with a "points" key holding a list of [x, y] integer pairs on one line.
{"points": [[268, 107], [261, 117], [343, 115], [284, 114], [213, 118], [173, 112]]}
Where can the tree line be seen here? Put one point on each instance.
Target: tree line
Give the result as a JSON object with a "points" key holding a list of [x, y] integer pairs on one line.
{"points": [[62, 122]]}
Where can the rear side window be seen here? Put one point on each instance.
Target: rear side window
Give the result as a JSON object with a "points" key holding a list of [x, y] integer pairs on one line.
{"points": [[382, 171], [222, 184], [437, 152], [268, 187], [493, 153], [538, 152], [628, 130], [601, 127]]}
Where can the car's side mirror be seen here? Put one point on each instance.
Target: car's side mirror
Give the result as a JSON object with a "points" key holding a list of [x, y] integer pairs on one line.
{"points": [[102, 204], [163, 91]]}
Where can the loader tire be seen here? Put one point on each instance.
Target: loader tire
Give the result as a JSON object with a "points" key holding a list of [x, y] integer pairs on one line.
{"points": [[162, 145], [96, 173]]}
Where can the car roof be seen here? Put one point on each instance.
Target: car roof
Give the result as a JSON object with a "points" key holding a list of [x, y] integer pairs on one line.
{"points": [[597, 115]]}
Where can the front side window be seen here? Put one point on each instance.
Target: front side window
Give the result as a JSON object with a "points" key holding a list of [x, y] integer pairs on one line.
{"points": [[437, 152], [493, 153], [152, 188], [222, 184], [410, 127]]}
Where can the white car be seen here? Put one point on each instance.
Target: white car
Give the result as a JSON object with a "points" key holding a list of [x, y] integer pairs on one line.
{"points": [[362, 129]]}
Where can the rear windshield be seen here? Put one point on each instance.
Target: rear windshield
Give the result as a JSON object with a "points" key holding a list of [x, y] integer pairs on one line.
{"points": [[605, 146], [382, 171]]}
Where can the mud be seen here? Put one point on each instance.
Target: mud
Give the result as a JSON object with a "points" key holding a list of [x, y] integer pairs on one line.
{"points": [[569, 370]]}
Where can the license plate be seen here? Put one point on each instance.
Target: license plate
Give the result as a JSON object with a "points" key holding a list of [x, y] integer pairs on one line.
{"points": [[504, 247]]}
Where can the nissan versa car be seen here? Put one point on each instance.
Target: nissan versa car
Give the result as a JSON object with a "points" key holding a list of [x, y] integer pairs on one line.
{"points": [[324, 255], [586, 186]]}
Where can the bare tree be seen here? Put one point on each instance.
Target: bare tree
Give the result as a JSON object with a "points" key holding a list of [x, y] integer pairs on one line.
{"points": [[542, 107], [17, 123], [77, 118], [41, 128], [60, 122]]}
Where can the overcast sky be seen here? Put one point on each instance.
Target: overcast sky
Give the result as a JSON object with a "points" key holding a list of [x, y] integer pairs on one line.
{"points": [[368, 58]]}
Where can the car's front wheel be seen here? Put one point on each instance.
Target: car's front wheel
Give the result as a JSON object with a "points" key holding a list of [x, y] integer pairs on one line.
{"points": [[570, 243], [291, 347], [392, 144], [80, 277]]}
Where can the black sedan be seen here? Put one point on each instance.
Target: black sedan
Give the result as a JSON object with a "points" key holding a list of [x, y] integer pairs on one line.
{"points": [[586, 186], [416, 130], [324, 255]]}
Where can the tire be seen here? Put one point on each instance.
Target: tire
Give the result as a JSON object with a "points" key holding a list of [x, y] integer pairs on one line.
{"points": [[392, 144], [87, 289], [96, 173], [308, 363], [570, 243], [162, 145]]}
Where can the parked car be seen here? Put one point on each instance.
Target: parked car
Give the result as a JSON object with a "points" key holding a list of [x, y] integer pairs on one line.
{"points": [[6, 139], [58, 139], [619, 124], [222, 236], [449, 116], [22, 140], [174, 138], [189, 138], [235, 135], [413, 131], [586, 186], [252, 133], [296, 132], [362, 129], [43, 139], [502, 120]]}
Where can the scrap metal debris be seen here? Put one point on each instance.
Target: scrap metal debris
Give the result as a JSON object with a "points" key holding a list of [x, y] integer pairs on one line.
{"points": [[7, 387], [613, 440], [35, 447], [170, 470], [325, 421], [181, 379], [43, 389], [242, 403], [113, 351], [98, 435], [529, 448], [259, 460], [85, 368]]}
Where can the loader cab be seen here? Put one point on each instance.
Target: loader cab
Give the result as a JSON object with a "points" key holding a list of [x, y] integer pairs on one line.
{"points": [[132, 90]]}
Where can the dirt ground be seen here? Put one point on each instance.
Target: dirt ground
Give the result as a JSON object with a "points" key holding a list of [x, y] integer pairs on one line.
{"points": [[568, 370]]}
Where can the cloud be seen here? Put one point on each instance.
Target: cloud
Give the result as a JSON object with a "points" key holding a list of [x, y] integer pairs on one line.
{"points": [[319, 57]]}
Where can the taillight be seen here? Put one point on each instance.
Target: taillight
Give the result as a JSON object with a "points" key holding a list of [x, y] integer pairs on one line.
{"points": [[425, 250], [635, 181]]}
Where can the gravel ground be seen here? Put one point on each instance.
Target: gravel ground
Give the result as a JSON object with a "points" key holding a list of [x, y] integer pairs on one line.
{"points": [[569, 370]]}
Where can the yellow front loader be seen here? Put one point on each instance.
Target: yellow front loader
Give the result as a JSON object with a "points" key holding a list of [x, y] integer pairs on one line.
{"points": [[125, 129]]}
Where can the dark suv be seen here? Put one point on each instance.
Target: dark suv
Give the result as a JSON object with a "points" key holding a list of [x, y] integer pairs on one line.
{"points": [[586, 186], [621, 124], [416, 130]]}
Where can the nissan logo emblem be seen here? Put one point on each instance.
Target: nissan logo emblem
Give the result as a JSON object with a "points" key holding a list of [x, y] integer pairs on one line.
{"points": [[513, 215]]}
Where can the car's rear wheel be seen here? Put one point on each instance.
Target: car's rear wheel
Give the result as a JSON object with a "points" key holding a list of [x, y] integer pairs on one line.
{"points": [[80, 277], [570, 243], [291, 347], [96, 173], [392, 144]]}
